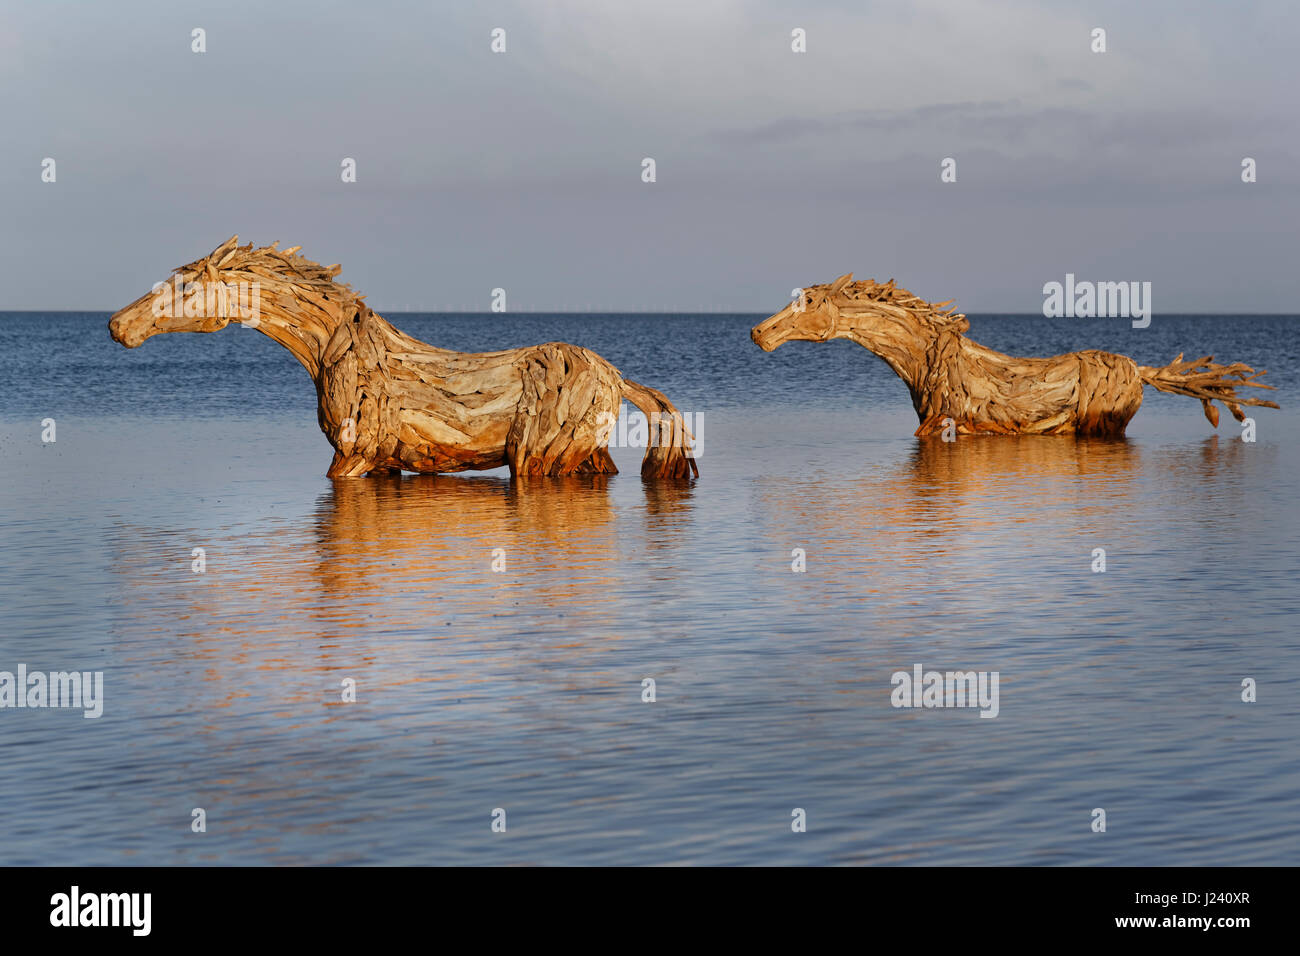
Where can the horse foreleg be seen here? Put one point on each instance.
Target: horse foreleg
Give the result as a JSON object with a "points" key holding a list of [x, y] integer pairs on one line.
{"points": [[349, 466]]}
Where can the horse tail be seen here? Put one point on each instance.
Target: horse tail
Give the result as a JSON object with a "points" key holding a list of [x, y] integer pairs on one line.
{"points": [[1204, 379], [668, 453]]}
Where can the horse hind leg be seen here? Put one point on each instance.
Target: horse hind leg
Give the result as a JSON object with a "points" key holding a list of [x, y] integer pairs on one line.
{"points": [[564, 452], [570, 402], [599, 463]]}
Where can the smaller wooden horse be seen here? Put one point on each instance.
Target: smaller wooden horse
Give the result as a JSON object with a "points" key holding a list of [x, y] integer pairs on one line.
{"points": [[979, 390]]}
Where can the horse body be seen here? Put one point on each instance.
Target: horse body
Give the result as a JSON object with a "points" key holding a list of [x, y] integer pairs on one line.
{"points": [[981, 390], [389, 402]]}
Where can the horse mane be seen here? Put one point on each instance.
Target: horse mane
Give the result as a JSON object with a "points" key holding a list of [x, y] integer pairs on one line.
{"points": [[893, 299], [269, 263]]}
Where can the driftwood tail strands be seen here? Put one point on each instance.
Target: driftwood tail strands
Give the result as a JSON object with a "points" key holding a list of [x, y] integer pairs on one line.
{"points": [[983, 391], [388, 402]]}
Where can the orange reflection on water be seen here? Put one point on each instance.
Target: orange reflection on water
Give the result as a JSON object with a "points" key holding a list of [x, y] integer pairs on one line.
{"points": [[382, 563]]}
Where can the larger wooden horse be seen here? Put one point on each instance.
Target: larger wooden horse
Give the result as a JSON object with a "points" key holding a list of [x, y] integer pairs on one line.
{"points": [[388, 402], [960, 385]]}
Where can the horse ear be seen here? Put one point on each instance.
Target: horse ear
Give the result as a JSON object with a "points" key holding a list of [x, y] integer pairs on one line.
{"points": [[838, 285]]}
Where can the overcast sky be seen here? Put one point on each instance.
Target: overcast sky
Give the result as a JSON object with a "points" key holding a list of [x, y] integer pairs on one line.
{"points": [[522, 170]]}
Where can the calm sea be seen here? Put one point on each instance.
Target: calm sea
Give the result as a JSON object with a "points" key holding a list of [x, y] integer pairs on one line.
{"points": [[523, 689]]}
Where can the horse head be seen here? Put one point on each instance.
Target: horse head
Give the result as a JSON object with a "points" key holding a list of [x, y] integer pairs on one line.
{"points": [[845, 309], [225, 285], [813, 316]]}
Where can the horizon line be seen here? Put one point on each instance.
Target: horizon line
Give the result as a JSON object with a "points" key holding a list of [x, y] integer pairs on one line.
{"points": [[608, 311]]}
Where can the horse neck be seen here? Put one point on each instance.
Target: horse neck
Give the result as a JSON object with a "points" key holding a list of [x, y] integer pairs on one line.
{"points": [[303, 322], [902, 338]]}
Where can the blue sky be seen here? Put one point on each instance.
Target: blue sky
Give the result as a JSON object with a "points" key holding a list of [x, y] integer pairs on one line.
{"points": [[522, 170]]}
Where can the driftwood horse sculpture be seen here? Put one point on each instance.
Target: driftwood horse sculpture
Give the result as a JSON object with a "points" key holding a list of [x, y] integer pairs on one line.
{"points": [[983, 391], [388, 402]]}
